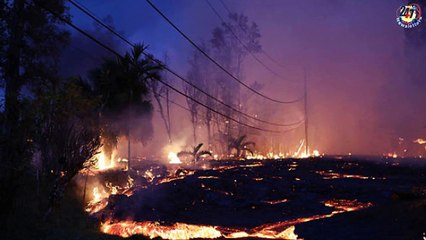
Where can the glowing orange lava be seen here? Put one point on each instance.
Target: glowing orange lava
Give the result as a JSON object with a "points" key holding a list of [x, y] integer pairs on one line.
{"points": [[278, 230], [333, 175]]}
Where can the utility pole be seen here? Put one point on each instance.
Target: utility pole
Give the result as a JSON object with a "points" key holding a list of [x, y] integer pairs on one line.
{"points": [[128, 130], [306, 112]]}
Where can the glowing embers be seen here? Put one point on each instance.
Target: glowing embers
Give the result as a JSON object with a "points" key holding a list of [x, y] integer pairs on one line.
{"points": [[273, 202], [208, 177], [330, 174], [343, 205], [178, 175]]}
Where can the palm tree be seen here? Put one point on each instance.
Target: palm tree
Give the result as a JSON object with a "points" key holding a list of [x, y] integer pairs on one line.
{"points": [[241, 146], [196, 154], [123, 88]]}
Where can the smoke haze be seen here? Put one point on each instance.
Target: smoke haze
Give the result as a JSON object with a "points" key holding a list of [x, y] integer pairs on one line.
{"points": [[365, 74]]}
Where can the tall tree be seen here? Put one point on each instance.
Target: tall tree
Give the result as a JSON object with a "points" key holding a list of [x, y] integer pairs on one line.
{"points": [[194, 108], [124, 90], [231, 43], [31, 40], [66, 133], [200, 74], [162, 96]]}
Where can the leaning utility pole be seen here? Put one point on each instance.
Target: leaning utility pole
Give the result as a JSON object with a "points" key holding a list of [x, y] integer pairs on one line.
{"points": [[306, 112]]}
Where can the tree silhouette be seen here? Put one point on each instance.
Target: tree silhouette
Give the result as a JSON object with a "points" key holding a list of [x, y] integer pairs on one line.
{"points": [[123, 87], [241, 146], [195, 153], [227, 48], [30, 41]]}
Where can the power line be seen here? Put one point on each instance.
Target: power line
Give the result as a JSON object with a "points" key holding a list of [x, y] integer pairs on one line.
{"points": [[214, 120], [175, 103], [214, 61], [163, 82], [91, 15]]}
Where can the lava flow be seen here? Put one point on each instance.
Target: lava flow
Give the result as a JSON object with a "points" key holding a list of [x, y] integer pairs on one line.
{"points": [[178, 230], [278, 230]]}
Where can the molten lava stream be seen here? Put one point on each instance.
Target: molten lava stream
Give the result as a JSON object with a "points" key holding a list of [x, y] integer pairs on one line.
{"points": [[188, 231], [278, 230]]}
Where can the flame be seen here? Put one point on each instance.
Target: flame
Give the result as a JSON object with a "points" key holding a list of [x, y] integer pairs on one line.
{"points": [[392, 155], [420, 141], [103, 161], [98, 202], [300, 154], [173, 158], [100, 195]]}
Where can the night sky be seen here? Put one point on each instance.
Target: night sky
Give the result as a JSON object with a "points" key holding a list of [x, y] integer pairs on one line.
{"points": [[366, 80]]}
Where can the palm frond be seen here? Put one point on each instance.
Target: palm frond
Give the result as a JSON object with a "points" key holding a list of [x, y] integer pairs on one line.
{"points": [[184, 153], [197, 148], [248, 144], [241, 139], [249, 150], [204, 153]]}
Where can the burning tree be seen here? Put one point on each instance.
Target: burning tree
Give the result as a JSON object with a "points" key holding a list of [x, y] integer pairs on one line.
{"points": [[123, 88]]}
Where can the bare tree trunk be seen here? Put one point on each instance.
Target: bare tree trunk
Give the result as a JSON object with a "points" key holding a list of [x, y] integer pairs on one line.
{"points": [[166, 119], [128, 149], [128, 132], [209, 135], [169, 132], [194, 130]]}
